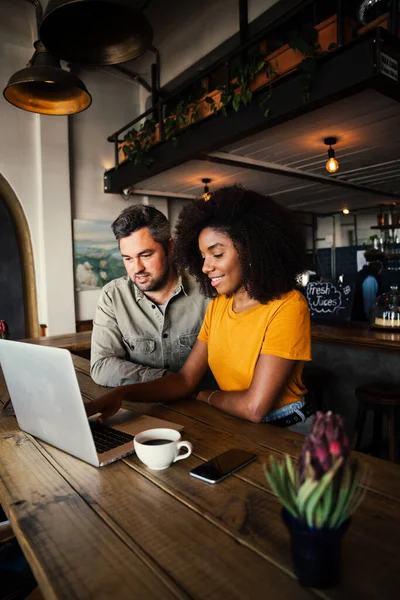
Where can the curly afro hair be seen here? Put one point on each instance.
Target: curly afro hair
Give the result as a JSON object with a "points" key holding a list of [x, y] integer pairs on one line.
{"points": [[268, 240]]}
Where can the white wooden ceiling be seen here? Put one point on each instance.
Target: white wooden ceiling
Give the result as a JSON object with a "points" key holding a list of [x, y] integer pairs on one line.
{"points": [[368, 150]]}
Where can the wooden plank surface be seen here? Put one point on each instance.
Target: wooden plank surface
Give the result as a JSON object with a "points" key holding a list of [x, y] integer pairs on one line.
{"points": [[196, 540], [74, 342], [203, 559], [72, 551], [177, 541], [384, 475]]}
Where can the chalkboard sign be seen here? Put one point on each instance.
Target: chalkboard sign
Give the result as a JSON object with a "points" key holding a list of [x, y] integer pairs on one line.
{"points": [[330, 301]]}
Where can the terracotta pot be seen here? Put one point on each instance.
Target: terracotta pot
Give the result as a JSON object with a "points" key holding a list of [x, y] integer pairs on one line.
{"points": [[285, 59], [204, 112]]}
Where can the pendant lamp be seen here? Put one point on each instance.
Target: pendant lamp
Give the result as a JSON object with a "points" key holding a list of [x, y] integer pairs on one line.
{"points": [[332, 164], [206, 192], [95, 32], [44, 88]]}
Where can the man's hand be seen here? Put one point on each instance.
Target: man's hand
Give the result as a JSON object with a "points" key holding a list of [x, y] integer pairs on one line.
{"points": [[108, 404]]}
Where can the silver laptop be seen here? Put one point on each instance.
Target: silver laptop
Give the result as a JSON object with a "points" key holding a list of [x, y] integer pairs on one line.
{"points": [[48, 404]]}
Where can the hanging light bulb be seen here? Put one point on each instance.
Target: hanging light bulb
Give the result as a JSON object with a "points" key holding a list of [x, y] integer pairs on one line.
{"points": [[206, 194], [44, 88], [332, 164], [346, 211]]}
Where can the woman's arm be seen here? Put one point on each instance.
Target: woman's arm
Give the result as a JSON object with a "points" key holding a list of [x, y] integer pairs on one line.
{"points": [[173, 386], [270, 375]]}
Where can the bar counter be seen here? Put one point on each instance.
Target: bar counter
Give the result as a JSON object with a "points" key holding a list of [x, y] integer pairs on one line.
{"points": [[349, 354], [356, 334]]}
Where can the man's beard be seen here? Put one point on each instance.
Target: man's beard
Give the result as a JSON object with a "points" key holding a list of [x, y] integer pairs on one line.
{"points": [[154, 285]]}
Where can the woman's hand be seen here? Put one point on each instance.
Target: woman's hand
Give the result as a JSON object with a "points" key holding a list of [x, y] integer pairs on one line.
{"points": [[107, 405], [205, 395]]}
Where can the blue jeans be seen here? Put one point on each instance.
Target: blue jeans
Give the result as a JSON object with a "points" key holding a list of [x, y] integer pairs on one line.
{"points": [[303, 427]]}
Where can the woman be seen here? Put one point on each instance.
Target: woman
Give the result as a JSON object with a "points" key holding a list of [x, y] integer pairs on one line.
{"points": [[245, 251]]}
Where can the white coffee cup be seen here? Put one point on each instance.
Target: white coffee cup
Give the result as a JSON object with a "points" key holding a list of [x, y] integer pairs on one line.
{"points": [[159, 448]]}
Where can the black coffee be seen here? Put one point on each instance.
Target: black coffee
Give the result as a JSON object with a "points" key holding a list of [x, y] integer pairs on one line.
{"points": [[158, 442]]}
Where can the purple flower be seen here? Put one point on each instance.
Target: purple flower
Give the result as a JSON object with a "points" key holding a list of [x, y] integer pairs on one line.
{"points": [[326, 442]]}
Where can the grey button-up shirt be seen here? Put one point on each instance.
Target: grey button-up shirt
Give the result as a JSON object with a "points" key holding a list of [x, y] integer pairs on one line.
{"points": [[133, 341]]}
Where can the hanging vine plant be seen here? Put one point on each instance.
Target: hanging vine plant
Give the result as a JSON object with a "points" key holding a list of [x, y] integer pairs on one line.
{"points": [[185, 113], [138, 143], [238, 93], [306, 42]]}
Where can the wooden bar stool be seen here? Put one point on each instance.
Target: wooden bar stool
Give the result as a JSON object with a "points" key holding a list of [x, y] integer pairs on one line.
{"points": [[384, 400]]}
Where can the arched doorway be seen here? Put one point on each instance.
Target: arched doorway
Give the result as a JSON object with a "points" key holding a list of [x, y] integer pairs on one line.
{"points": [[23, 241]]}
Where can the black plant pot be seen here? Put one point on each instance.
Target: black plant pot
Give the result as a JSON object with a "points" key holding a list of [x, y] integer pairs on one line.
{"points": [[315, 552]]}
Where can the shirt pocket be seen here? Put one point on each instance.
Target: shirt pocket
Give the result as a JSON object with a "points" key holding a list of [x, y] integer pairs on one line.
{"points": [[140, 349], [186, 343]]}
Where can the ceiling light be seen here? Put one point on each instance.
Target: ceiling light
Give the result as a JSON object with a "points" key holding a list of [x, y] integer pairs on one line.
{"points": [[206, 193], [332, 164], [346, 211], [95, 32], [44, 88]]}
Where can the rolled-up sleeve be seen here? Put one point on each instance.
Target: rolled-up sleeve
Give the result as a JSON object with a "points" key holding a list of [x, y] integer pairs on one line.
{"points": [[109, 365]]}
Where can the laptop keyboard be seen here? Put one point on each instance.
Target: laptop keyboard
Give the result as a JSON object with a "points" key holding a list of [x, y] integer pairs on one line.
{"points": [[105, 438]]}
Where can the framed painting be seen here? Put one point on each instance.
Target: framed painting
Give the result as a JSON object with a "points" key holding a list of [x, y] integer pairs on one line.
{"points": [[97, 259]]}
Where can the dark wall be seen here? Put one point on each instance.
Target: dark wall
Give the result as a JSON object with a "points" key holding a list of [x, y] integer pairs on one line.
{"points": [[346, 264], [11, 290], [346, 261]]}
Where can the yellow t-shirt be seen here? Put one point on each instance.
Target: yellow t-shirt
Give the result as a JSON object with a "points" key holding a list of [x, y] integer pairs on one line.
{"points": [[235, 341]]}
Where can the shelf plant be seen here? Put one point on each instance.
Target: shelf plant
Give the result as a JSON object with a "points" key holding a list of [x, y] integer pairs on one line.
{"points": [[137, 143], [255, 72], [319, 497], [239, 92], [306, 42]]}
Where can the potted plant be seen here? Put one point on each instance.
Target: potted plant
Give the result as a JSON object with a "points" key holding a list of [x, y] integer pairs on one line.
{"points": [[318, 499]]}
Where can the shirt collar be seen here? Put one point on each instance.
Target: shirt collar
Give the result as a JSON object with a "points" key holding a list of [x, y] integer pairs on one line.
{"points": [[183, 285]]}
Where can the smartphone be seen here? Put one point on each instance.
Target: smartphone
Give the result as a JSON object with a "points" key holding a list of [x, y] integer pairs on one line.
{"points": [[220, 467]]}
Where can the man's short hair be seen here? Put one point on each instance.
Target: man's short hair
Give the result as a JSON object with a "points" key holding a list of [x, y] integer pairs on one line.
{"points": [[138, 216]]}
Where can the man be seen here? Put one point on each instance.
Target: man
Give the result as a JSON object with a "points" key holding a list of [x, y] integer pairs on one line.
{"points": [[368, 286], [147, 322]]}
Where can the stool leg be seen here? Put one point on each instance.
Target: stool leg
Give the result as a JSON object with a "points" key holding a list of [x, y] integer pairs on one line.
{"points": [[359, 426], [376, 445], [393, 442]]}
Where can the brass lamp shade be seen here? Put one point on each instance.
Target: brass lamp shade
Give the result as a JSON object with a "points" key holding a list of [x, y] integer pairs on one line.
{"points": [[95, 32], [45, 88]]}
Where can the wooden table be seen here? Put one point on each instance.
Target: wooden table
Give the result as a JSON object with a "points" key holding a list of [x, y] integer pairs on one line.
{"points": [[124, 531], [74, 342]]}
